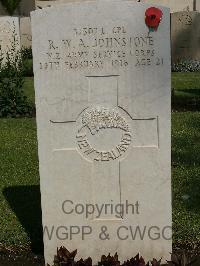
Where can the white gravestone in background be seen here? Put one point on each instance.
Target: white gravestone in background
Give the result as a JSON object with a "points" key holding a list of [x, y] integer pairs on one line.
{"points": [[39, 4], [185, 36], [197, 5], [102, 82], [25, 32], [9, 35], [174, 5]]}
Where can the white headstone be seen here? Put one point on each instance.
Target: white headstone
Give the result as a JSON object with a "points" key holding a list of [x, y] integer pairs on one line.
{"points": [[185, 36], [197, 5], [174, 5], [39, 4], [102, 82], [25, 32], [9, 35]]}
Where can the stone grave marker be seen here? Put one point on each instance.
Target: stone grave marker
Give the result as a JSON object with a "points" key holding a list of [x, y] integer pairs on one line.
{"points": [[9, 35], [174, 5], [197, 6], [39, 4], [185, 36], [102, 83], [25, 32]]}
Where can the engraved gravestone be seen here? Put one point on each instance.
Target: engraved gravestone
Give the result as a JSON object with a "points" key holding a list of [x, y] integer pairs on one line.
{"points": [[102, 82], [39, 4], [25, 32], [174, 5], [185, 36], [9, 35], [197, 5]]}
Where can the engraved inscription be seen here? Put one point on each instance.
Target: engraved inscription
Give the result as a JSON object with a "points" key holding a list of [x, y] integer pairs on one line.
{"points": [[185, 19], [5, 27], [96, 119], [100, 47]]}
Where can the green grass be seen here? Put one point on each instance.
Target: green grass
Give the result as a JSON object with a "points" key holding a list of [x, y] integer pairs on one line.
{"points": [[186, 91], [20, 217], [186, 179], [186, 81]]}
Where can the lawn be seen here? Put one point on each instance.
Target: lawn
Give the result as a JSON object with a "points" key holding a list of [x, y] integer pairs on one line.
{"points": [[186, 179], [186, 81], [186, 91], [20, 219]]}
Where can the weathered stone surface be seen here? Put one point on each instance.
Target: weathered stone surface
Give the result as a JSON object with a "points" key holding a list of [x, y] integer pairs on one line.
{"points": [[197, 5], [39, 4], [25, 32], [185, 31], [102, 82], [9, 35], [174, 5]]}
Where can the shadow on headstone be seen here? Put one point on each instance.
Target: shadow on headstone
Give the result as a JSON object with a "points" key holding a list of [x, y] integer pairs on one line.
{"points": [[26, 204]]}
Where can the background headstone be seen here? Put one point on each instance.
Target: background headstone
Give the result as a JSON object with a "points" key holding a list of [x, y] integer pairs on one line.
{"points": [[39, 4], [25, 32], [198, 5], [43, 4], [9, 30], [102, 82], [185, 36], [174, 5]]}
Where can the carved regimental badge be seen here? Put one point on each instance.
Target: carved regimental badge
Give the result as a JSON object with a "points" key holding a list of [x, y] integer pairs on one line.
{"points": [[104, 133]]}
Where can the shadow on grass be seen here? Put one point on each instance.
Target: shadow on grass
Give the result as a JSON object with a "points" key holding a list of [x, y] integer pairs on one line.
{"points": [[185, 152], [25, 203], [193, 92], [186, 102]]}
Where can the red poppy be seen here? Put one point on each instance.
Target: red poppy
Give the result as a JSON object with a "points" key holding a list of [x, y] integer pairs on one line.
{"points": [[153, 17]]}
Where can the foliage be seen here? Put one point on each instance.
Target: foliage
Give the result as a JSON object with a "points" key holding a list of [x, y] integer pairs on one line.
{"points": [[13, 102], [182, 259], [186, 66], [29, 91], [10, 5], [27, 68], [27, 61], [65, 257], [26, 53]]}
